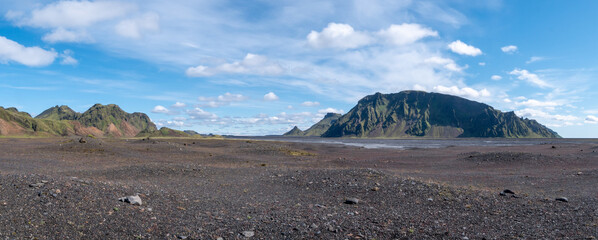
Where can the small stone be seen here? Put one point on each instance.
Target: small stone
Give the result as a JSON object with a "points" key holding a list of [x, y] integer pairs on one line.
{"points": [[181, 237], [553, 147], [219, 238], [579, 173], [508, 191], [430, 199], [57, 191], [248, 234], [351, 201], [375, 189], [82, 140], [313, 225], [44, 181], [331, 229], [36, 185], [134, 200], [562, 199]]}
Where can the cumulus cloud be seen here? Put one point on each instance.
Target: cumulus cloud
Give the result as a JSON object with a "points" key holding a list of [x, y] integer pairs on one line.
{"points": [[482, 64], [406, 33], [530, 77], [539, 114], [252, 64], [270, 97], [338, 35], [160, 109], [222, 100], [179, 105], [200, 114], [463, 92], [591, 119], [464, 49], [135, 27], [63, 35], [496, 77], [11, 51], [330, 110], [446, 63], [509, 49], [310, 104]]}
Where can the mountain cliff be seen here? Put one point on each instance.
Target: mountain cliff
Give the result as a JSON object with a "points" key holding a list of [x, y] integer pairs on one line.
{"points": [[294, 132], [422, 114], [100, 120], [322, 126]]}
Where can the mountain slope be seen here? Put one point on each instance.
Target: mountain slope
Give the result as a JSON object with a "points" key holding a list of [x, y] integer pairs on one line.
{"points": [[115, 122], [422, 114], [322, 126], [13, 123], [294, 132], [59, 113]]}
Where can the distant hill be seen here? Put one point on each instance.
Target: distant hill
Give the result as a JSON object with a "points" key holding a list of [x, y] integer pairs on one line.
{"points": [[14, 123], [294, 132], [163, 132], [322, 126], [100, 120], [422, 114]]}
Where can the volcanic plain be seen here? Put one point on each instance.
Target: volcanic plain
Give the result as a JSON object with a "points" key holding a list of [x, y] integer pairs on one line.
{"points": [[69, 188]]}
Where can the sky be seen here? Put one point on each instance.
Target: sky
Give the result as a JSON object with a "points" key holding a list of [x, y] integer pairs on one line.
{"points": [[261, 67]]}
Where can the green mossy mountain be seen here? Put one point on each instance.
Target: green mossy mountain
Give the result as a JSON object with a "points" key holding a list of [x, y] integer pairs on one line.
{"points": [[294, 132], [434, 115], [99, 120], [323, 125], [163, 132], [14, 123], [59, 113]]}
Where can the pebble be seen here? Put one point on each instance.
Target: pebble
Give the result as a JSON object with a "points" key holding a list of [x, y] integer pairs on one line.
{"points": [[248, 233], [562, 199], [313, 225], [134, 200], [430, 199], [375, 189], [351, 201], [508, 191], [36, 185]]}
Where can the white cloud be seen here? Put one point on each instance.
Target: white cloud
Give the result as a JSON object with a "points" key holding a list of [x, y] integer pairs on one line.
{"points": [[482, 63], [539, 114], [330, 110], [496, 77], [509, 49], [179, 105], [591, 119], [67, 58], [535, 59], [252, 64], [200, 114], [270, 97], [536, 103], [507, 100], [290, 107], [135, 27], [160, 109], [447, 63], [406, 33], [529, 77], [75, 14], [63, 35], [338, 35], [310, 104], [463, 92], [222, 100], [464, 49], [29, 56]]}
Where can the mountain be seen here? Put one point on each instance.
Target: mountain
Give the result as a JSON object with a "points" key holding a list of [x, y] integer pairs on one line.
{"points": [[422, 114], [113, 121], [14, 123], [294, 132], [59, 113], [163, 132], [322, 126]]}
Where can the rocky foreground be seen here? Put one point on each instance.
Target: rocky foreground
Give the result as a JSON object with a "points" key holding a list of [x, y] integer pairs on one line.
{"points": [[221, 189]]}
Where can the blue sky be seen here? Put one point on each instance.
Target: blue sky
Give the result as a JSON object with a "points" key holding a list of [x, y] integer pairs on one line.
{"points": [[262, 67]]}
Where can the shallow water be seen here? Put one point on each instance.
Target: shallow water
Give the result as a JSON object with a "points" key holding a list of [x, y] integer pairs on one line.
{"points": [[419, 143]]}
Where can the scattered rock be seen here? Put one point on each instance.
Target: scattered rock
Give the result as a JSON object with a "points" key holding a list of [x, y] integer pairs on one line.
{"points": [[507, 191], [82, 140], [375, 189], [553, 147], [134, 200], [430, 199], [351, 201], [313, 225], [579, 173], [248, 234], [562, 199], [181, 237], [36, 185]]}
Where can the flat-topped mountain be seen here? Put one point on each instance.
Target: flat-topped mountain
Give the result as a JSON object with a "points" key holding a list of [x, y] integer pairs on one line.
{"points": [[422, 114]]}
